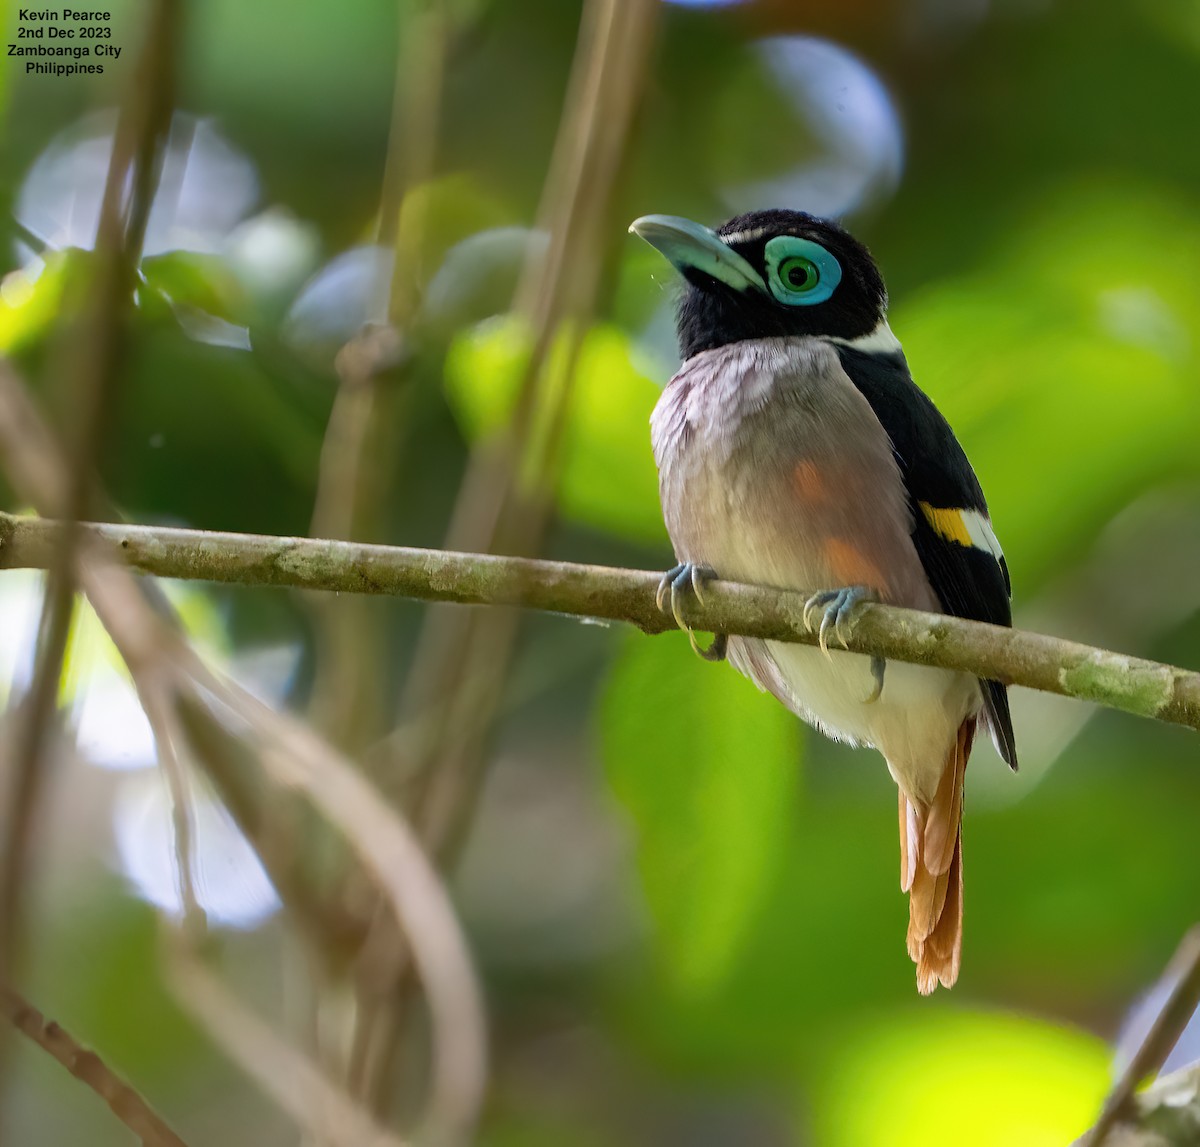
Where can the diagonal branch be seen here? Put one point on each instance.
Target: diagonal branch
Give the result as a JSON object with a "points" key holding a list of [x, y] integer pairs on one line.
{"points": [[125, 1103], [151, 645], [1017, 657], [92, 342], [1123, 1110]]}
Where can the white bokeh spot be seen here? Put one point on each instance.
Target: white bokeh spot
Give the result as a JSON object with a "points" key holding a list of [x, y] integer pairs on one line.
{"points": [[852, 117]]}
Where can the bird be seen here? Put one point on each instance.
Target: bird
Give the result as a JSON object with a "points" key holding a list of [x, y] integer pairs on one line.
{"points": [[794, 450]]}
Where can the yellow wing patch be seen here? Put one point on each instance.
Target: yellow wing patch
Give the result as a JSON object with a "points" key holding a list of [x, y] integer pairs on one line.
{"points": [[948, 524]]}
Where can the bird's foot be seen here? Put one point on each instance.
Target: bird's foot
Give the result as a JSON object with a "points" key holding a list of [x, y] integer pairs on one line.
{"points": [[679, 581], [836, 606]]}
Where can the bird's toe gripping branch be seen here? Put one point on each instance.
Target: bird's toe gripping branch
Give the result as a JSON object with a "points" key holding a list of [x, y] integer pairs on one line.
{"points": [[678, 582], [837, 606]]}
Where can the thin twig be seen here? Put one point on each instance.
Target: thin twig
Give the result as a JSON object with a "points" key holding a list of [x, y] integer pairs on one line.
{"points": [[295, 756], [1164, 1033], [125, 1103], [607, 74], [368, 426], [504, 501], [95, 352], [333, 932], [151, 640], [1037, 661], [157, 703], [364, 437], [287, 1077]]}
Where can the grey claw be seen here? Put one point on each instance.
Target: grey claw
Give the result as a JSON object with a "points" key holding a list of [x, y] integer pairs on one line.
{"points": [[678, 581], [839, 606], [676, 600], [715, 652], [823, 636], [667, 584], [842, 614], [878, 665], [811, 606]]}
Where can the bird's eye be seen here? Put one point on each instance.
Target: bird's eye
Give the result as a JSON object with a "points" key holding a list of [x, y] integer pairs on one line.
{"points": [[799, 271]]}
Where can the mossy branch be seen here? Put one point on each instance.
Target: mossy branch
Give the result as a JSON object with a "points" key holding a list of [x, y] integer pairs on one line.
{"points": [[1034, 660]]}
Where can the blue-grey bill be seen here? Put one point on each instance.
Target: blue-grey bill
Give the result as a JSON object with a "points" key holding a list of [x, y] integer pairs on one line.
{"points": [[686, 244]]}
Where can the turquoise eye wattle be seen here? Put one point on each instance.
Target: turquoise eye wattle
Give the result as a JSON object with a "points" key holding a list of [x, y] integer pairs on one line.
{"points": [[799, 271]]}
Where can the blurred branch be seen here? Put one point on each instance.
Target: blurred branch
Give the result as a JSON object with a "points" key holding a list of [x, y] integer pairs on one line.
{"points": [[346, 478], [332, 929], [503, 503], [158, 705], [367, 433], [293, 1082], [364, 436], [459, 667], [1166, 1114], [92, 355], [297, 758], [125, 1103], [1037, 661], [153, 648], [1135, 1121]]}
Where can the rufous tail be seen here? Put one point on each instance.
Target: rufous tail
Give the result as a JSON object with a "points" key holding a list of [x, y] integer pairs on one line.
{"points": [[931, 870]]}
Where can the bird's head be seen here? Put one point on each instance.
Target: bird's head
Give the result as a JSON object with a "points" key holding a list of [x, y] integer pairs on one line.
{"points": [[769, 274]]}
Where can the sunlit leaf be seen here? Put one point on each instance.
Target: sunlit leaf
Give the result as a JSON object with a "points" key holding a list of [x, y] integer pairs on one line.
{"points": [[1068, 366], [204, 282], [972, 1079], [707, 768], [607, 477], [30, 297], [483, 371]]}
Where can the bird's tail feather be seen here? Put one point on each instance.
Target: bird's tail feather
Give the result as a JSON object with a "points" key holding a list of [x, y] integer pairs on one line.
{"points": [[931, 870]]}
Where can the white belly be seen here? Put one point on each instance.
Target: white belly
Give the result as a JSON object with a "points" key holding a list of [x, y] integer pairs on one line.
{"points": [[911, 723]]}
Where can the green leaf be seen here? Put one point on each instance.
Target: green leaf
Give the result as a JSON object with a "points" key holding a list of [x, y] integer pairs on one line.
{"points": [[1067, 366], [204, 282], [441, 212], [483, 370], [608, 477], [980, 1078], [30, 297], [707, 768]]}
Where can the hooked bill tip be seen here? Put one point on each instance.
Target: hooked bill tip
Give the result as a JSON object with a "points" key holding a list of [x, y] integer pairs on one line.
{"points": [[692, 246]]}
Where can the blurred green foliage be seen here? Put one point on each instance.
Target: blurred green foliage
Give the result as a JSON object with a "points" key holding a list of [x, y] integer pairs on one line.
{"points": [[607, 477], [737, 971], [710, 837]]}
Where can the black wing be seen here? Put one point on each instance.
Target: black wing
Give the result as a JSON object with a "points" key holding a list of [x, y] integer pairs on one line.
{"points": [[969, 582]]}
